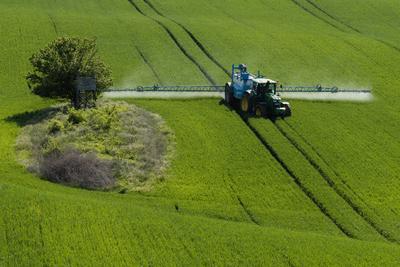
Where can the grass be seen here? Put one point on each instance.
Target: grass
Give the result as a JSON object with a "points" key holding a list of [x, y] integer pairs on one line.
{"points": [[227, 199], [127, 234], [318, 182], [235, 165], [365, 162]]}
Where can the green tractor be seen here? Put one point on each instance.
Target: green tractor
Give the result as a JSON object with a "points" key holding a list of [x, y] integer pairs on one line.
{"points": [[255, 94]]}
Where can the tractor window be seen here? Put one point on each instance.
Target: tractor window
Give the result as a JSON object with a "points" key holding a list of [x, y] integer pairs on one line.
{"points": [[261, 88], [269, 88]]}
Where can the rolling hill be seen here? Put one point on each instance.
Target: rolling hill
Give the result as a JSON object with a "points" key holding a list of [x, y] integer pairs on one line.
{"points": [[319, 188]]}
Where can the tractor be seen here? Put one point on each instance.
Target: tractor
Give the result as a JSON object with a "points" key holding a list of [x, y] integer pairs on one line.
{"points": [[254, 94]]}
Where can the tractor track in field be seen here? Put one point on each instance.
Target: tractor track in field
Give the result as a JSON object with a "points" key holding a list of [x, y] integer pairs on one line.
{"points": [[394, 212], [339, 21], [332, 17], [315, 15], [296, 180], [356, 208], [327, 164], [388, 45], [351, 27], [359, 50], [249, 214], [53, 23], [283, 255], [242, 205], [177, 43], [148, 64], [287, 258], [136, 7], [254, 220], [191, 35]]}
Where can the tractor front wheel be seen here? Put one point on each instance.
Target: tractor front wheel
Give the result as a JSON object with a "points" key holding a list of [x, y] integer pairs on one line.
{"points": [[288, 110], [245, 103]]}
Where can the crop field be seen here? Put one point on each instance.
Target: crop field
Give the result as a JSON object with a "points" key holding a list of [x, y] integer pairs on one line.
{"points": [[319, 188]]}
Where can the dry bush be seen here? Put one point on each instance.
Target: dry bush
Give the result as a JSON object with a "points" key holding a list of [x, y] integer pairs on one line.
{"points": [[75, 169]]}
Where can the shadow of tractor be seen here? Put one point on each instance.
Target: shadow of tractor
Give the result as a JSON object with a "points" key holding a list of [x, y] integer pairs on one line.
{"points": [[244, 115]]}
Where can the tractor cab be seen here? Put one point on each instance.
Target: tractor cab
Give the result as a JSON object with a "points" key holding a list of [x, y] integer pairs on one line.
{"points": [[265, 96], [264, 86]]}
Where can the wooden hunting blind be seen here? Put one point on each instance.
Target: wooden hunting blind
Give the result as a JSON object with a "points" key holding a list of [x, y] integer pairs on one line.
{"points": [[86, 92]]}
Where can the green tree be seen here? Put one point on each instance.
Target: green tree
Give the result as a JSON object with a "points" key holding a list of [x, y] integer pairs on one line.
{"points": [[57, 66]]}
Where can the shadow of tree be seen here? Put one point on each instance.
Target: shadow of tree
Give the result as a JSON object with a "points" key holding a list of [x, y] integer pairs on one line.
{"points": [[33, 117]]}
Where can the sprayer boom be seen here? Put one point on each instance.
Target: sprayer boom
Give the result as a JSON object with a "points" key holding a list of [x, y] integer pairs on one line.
{"points": [[318, 89], [171, 88], [218, 88]]}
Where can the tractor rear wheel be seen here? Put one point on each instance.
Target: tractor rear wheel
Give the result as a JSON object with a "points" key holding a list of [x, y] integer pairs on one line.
{"points": [[245, 103], [260, 111], [228, 95]]}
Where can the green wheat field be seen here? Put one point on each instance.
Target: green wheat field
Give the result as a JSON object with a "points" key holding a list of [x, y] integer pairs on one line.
{"points": [[319, 188]]}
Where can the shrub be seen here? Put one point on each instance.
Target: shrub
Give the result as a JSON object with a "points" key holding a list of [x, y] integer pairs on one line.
{"points": [[55, 126], [76, 116], [78, 170]]}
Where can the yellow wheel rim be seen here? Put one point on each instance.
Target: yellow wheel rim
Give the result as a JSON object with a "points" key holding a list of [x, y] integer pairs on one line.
{"points": [[258, 112], [245, 103]]}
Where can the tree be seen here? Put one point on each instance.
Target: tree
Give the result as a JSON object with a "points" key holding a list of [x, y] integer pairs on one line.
{"points": [[57, 66]]}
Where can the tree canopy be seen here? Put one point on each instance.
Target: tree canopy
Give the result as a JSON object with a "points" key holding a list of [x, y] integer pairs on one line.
{"points": [[57, 66]]}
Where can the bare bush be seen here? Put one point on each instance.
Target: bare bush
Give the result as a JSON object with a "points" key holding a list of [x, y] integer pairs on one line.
{"points": [[75, 169]]}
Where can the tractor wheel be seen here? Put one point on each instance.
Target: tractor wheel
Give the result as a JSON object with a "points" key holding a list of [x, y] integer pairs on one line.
{"points": [[245, 103], [288, 110], [228, 95], [260, 111]]}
